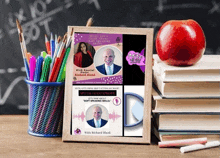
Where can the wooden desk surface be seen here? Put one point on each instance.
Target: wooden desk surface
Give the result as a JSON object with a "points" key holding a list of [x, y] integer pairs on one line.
{"points": [[16, 142]]}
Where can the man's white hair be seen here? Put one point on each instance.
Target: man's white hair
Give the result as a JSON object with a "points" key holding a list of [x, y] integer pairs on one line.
{"points": [[97, 107]]}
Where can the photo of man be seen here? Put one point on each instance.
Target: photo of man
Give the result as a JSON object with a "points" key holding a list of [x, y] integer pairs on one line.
{"points": [[108, 68], [97, 121]]}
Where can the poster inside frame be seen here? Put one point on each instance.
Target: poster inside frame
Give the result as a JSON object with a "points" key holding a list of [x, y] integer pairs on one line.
{"points": [[84, 82]]}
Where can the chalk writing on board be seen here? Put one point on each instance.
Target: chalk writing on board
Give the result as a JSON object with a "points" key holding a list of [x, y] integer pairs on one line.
{"points": [[23, 107], [212, 51], [4, 97], [40, 17], [23, 69], [153, 24], [68, 4], [2, 71], [20, 16], [95, 2], [1, 34], [7, 1], [215, 8], [12, 70], [162, 5]]}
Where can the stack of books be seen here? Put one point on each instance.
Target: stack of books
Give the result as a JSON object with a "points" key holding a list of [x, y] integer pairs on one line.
{"points": [[186, 100]]}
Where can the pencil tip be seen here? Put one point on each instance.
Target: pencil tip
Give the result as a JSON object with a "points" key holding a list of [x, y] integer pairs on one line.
{"points": [[46, 39], [51, 36], [17, 22], [20, 38], [92, 18], [90, 21], [71, 32], [64, 38], [18, 25]]}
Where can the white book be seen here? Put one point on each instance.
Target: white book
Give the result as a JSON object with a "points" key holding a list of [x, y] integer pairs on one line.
{"points": [[207, 69], [179, 136], [170, 136], [184, 105], [186, 89], [189, 122]]}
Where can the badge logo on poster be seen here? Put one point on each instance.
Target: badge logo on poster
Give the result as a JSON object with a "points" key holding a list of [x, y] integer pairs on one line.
{"points": [[137, 109]]}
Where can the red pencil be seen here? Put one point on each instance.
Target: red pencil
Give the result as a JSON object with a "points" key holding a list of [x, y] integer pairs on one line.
{"points": [[57, 64], [53, 71], [47, 43], [57, 69]]}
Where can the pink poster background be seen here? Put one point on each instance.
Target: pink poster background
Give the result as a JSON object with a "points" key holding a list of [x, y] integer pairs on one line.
{"points": [[90, 75]]}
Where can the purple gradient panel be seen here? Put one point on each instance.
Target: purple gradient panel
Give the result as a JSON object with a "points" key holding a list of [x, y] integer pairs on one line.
{"points": [[104, 80], [142, 67], [97, 39]]}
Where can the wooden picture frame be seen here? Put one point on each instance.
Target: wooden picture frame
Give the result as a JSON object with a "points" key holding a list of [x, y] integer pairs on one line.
{"points": [[67, 119]]}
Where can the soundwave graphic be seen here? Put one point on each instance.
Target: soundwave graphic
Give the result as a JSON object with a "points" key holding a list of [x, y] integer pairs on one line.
{"points": [[114, 116], [82, 116]]}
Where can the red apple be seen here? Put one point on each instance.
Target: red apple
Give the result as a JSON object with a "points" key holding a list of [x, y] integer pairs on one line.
{"points": [[180, 42]]}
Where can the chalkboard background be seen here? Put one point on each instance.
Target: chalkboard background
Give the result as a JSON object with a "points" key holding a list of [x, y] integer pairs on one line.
{"points": [[39, 17]]}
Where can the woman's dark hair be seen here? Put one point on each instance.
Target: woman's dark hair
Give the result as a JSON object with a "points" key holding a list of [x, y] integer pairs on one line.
{"points": [[79, 46]]}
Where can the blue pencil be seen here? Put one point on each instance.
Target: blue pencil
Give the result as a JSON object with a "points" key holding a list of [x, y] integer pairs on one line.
{"points": [[52, 45], [35, 88], [41, 90]]}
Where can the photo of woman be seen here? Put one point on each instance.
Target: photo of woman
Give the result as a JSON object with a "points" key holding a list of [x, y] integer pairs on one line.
{"points": [[83, 57]]}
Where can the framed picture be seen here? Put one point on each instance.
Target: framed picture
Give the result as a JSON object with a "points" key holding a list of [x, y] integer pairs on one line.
{"points": [[108, 85]]}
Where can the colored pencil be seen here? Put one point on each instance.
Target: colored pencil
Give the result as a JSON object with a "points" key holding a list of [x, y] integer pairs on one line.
{"points": [[52, 45], [90, 22], [51, 93], [32, 67], [54, 113], [43, 54], [47, 44], [58, 62], [48, 109], [20, 31], [24, 59], [41, 91], [55, 52], [69, 39]]}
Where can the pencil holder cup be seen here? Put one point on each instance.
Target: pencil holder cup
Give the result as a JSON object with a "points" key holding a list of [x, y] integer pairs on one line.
{"points": [[45, 115]]}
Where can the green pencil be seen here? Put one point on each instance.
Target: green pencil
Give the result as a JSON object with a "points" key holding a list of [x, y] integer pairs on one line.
{"points": [[60, 78]]}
